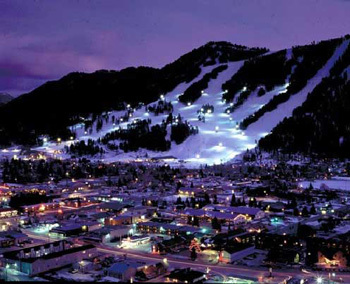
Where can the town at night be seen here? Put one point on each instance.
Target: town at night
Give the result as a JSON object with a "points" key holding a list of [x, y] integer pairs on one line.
{"points": [[175, 141]]}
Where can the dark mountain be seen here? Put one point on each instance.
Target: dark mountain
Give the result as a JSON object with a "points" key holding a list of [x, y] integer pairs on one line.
{"points": [[322, 123], [55, 105], [5, 98]]}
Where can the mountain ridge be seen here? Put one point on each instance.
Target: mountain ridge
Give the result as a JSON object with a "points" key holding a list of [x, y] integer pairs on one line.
{"points": [[211, 92]]}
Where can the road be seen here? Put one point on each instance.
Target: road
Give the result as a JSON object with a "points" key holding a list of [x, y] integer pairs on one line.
{"points": [[254, 273]]}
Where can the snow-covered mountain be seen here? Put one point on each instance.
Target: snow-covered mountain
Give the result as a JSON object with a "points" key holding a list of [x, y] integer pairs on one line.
{"points": [[205, 108]]}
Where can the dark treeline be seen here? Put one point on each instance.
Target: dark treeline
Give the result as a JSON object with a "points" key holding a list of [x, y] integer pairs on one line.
{"points": [[269, 71], [312, 58], [50, 108], [27, 198], [181, 131], [81, 148], [321, 125], [160, 107], [193, 92], [140, 135]]}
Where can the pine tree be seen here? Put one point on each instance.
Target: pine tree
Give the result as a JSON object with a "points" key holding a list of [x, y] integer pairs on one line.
{"points": [[233, 200]]}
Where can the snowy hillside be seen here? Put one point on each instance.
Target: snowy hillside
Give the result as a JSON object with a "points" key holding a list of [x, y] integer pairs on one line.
{"points": [[220, 137]]}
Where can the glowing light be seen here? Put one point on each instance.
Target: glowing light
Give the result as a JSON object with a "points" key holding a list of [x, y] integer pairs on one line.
{"points": [[216, 128], [198, 156], [319, 280], [188, 104]]}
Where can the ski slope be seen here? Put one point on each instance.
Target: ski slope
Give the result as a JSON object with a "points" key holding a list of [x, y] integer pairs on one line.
{"points": [[219, 139]]}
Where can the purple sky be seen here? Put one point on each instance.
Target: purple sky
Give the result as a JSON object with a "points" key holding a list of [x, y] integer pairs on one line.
{"points": [[44, 40]]}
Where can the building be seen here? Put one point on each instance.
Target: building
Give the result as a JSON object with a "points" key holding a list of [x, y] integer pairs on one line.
{"points": [[250, 212], [231, 254], [73, 229], [167, 229], [108, 233], [186, 275], [7, 212], [42, 258], [123, 271]]}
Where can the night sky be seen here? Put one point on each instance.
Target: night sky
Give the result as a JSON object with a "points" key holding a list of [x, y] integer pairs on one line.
{"points": [[44, 40]]}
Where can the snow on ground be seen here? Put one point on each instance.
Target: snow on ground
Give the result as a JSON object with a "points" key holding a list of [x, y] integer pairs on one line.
{"points": [[338, 183], [270, 119], [219, 139]]}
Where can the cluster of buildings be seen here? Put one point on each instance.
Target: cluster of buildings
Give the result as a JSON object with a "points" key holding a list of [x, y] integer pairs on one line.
{"points": [[236, 217]]}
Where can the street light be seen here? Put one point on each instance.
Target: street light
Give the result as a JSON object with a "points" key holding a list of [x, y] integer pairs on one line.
{"points": [[319, 280]]}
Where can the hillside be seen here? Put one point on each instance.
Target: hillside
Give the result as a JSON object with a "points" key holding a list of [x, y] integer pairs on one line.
{"points": [[55, 105], [206, 107], [321, 124], [5, 98]]}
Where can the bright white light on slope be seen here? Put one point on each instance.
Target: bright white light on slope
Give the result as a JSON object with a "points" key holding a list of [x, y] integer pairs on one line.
{"points": [[202, 92], [209, 111], [188, 104], [198, 156], [231, 104], [162, 97], [216, 128], [244, 89], [228, 111], [220, 144], [264, 134], [240, 137]]}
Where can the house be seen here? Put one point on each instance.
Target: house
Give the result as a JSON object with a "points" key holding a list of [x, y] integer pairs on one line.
{"points": [[186, 275], [72, 229], [123, 271], [114, 207], [189, 191], [236, 252], [108, 233], [332, 257], [42, 258], [250, 212], [227, 217], [118, 220]]}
